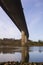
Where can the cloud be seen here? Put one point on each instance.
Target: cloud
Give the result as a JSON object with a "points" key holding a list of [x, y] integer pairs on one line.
{"points": [[7, 28]]}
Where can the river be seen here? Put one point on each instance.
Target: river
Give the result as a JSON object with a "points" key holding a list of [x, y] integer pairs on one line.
{"points": [[35, 55]]}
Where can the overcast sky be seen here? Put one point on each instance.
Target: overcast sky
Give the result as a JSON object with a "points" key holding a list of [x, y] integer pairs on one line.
{"points": [[33, 10]]}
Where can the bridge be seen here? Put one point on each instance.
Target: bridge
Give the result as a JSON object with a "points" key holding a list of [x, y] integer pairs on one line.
{"points": [[14, 10]]}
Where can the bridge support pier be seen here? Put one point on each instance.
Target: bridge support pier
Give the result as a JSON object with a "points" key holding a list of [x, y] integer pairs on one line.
{"points": [[25, 55]]}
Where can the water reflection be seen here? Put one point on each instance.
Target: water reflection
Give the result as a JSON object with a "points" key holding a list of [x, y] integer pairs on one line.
{"points": [[10, 57], [35, 55], [36, 48]]}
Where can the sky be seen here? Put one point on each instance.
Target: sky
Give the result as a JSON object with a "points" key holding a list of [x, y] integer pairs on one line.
{"points": [[33, 11]]}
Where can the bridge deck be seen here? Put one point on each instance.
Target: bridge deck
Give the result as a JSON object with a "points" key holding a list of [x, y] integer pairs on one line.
{"points": [[15, 11]]}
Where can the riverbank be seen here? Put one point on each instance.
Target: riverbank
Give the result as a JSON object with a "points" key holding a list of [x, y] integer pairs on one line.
{"points": [[17, 43]]}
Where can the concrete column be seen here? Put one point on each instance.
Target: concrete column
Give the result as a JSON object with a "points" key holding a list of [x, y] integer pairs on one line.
{"points": [[34, 63], [24, 47]]}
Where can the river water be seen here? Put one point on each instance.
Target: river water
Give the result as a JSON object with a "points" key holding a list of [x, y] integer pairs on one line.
{"points": [[35, 55]]}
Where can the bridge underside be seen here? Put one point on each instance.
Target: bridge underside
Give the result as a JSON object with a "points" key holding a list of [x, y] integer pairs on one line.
{"points": [[15, 11]]}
